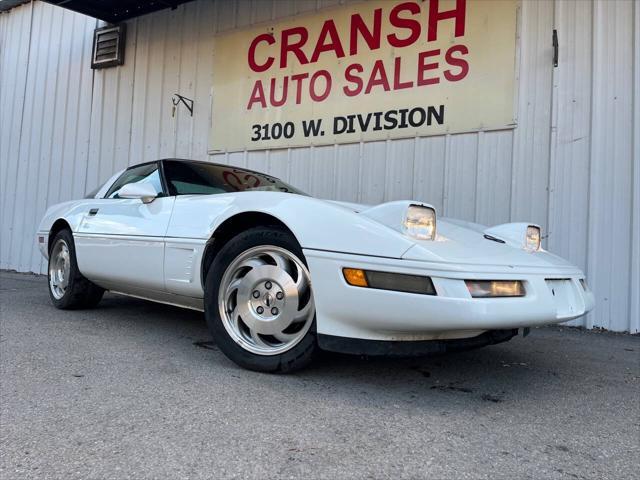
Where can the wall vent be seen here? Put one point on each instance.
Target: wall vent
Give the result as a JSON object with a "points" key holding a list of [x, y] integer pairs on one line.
{"points": [[108, 46]]}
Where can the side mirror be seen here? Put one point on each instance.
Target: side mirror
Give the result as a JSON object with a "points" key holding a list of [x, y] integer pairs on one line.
{"points": [[144, 191]]}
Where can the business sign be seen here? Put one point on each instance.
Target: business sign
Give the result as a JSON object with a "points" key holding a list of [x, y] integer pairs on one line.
{"points": [[367, 71]]}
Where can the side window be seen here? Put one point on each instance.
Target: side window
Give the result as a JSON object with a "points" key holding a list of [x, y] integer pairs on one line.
{"points": [[142, 174]]}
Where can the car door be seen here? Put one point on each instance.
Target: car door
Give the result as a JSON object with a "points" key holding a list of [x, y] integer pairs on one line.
{"points": [[200, 199], [120, 241]]}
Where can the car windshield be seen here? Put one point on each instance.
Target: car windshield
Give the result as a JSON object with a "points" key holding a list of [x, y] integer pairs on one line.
{"points": [[200, 178]]}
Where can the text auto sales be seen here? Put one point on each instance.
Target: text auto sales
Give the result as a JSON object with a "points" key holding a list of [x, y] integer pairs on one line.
{"points": [[268, 52]]}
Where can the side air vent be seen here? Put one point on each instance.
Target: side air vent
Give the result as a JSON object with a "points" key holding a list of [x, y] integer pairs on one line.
{"points": [[108, 46], [493, 239]]}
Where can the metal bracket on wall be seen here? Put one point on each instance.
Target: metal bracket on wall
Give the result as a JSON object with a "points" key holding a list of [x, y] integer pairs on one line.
{"points": [[176, 99], [555, 47]]}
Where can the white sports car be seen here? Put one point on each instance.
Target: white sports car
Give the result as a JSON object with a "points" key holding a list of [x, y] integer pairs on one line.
{"points": [[280, 274]]}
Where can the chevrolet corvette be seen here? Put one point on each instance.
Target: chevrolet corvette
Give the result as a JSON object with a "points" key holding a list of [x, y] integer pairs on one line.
{"points": [[280, 274]]}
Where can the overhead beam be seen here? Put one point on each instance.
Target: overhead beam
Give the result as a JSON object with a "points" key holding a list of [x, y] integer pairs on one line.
{"points": [[115, 11]]}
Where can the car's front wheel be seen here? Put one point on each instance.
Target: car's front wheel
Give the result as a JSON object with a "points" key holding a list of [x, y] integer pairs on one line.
{"points": [[68, 288], [259, 301]]}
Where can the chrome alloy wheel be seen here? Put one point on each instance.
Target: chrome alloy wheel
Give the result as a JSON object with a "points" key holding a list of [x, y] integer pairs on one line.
{"points": [[265, 300], [59, 269]]}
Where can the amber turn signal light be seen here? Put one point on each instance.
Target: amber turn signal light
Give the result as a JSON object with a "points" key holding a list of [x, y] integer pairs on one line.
{"points": [[355, 277], [398, 282]]}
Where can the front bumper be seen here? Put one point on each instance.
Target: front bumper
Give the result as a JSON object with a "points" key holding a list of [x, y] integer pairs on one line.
{"points": [[357, 346], [355, 312]]}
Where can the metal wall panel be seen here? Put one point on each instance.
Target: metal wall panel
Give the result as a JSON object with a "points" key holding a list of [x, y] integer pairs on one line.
{"points": [[611, 173], [571, 165], [46, 91], [634, 296], [530, 168], [568, 217], [14, 55], [571, 133]]}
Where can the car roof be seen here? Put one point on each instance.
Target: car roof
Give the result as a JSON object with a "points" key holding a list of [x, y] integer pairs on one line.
{"points": [[186, 160]]}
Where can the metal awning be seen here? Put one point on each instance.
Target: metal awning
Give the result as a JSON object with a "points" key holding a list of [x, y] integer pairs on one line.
{"points": [[6, 5], [114, 11]]}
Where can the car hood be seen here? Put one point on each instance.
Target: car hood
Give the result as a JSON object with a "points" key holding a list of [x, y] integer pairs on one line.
{"points": [[458, 242]]}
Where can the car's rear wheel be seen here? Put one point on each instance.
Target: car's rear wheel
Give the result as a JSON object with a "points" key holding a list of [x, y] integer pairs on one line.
{"points": [[259, 301], [68, 289]]}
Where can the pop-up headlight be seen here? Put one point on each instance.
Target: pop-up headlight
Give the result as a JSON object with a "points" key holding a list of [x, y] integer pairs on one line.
{"points": [[532, 239], [420, 222]]}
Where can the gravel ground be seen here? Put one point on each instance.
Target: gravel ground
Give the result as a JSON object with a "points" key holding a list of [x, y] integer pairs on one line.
{"points": [[138, 390]]}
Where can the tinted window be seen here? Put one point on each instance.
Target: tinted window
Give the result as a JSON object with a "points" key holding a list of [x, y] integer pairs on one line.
{"points": [[143, 174], [196, 178]]}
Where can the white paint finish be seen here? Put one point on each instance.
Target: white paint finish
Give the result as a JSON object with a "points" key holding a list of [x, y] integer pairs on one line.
{"points": [[182, 260], [317, 224], [119, 116], [129, 246], [121, 262], [122, 242], [340, 305]]}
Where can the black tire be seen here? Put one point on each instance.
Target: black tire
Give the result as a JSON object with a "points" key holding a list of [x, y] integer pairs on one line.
{"points": [[79, 292], [301, 354]]}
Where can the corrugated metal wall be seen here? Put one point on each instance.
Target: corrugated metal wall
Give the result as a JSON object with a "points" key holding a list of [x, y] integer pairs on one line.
{"points": [[572, 165]]}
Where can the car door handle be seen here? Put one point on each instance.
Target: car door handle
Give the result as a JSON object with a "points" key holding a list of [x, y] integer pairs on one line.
{"points": [[93, 211]]}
